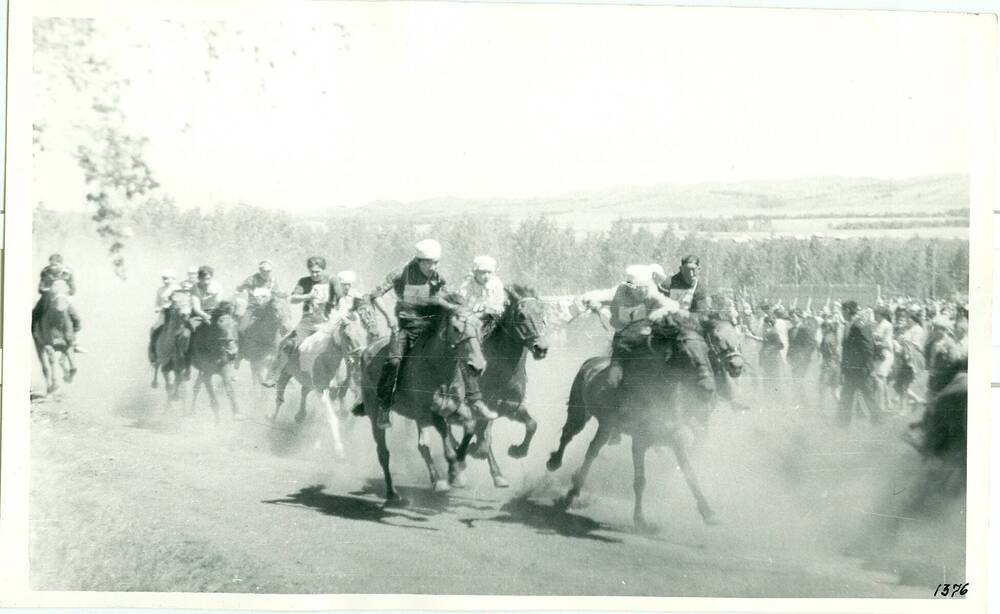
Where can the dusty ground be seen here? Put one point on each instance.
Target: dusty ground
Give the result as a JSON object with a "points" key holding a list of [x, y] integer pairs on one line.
{"points": [[128, 494]]}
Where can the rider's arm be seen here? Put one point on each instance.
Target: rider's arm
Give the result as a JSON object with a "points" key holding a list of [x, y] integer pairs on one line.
{"points": [[70, 282], [376, 295], [299, 295], [196, 309]]}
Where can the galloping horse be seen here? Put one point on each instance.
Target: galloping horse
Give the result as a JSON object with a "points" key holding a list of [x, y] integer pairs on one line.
{"points": [[520, 329], [326, 362], [54, 334], [645, 405], [170, 352], [260, 330], [431, 387], [213, 352]]}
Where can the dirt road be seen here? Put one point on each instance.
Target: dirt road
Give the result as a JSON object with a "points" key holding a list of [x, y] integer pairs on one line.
{"points": [[128, 495]]}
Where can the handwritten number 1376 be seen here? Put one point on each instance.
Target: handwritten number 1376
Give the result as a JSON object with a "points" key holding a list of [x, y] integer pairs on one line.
{"points": [[951, 590]]}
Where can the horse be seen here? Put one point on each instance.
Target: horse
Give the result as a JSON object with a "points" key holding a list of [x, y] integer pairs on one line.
{"points": [[54, 334], [645, 405], [213, 352], [520, 329], [260, 329], [430, 389], [170, 352], [326, 362]]}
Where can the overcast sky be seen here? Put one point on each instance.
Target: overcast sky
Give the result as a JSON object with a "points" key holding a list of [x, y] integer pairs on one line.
{"points": [[407, 102]]}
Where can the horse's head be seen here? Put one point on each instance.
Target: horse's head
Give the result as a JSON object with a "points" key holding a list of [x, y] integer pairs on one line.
{"points": [[348, 333], [260, 297], [462, 331], [724, 344], [525, 319]]}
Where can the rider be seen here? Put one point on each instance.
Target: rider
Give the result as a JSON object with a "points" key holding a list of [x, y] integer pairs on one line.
{"points": [[192, 278], [484, 292], [418, 288], [313, 291], [630, 304], [160, 304], [685, 287], [263, 278], [207, 291], [53, 271]]}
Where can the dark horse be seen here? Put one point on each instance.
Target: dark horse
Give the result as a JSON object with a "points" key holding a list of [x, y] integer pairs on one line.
{"points": [[646, 404], [54, 334], [520, 329], [170, 352], [213, 352], [429, 391], [261, 327]]}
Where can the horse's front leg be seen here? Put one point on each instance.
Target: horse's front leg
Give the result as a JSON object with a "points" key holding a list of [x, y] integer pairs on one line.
{"points": [[639, 447], [334, 421], [425, 432], [530, 426], [303, 397], [580, 477], [680, 447], [392, 498], [279, 393], [576, 418], [49, 369], [456, 476], [196, 389], [212, 398], [228, 376]]}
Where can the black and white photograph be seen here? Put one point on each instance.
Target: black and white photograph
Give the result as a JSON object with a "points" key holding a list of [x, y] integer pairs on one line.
{"points": [[497, 299]]}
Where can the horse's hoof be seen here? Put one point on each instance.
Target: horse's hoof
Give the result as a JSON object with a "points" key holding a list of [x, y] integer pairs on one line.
{"points": [[154, 385], [562, 503], [457, 480], [441, 486], [397, 501], [517, 452], [646, 528], [709, 517], [500, 482], [69, 375], [554, 463], [300, 417]]}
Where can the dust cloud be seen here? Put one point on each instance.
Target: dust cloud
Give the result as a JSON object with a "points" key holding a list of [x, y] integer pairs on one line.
{"points": [[791, 489]]}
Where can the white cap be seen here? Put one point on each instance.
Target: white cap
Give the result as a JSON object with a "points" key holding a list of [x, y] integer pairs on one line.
{"points": [[346, 277], [168, 273], [428, 249], [638, 274], [657, 270], [484, 263]]}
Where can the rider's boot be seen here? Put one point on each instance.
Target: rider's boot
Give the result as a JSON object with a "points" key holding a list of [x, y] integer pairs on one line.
{"points": [[386, 390]]}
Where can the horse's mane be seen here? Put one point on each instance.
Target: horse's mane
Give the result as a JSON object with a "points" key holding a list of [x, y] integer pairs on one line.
{"points": [[520, 291]]}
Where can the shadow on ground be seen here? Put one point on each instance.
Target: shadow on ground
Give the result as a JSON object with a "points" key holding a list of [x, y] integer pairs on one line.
{"points": [[549, 519], [351, 507]]}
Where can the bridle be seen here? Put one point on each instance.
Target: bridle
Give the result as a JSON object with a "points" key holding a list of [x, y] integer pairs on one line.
{"points": [[521, 329]]}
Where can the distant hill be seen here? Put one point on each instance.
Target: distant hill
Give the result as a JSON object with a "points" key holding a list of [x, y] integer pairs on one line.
{"points": [[836, 196]]}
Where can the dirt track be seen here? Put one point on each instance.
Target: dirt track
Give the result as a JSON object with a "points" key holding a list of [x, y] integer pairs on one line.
{"points": [[126, 496]]}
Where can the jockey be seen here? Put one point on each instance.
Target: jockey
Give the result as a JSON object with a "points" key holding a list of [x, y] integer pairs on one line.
{"points": [[263, 278], [163, 293], [192, 278], [685, 287], [62, 321], [418, 289], [313, 291], [630, 304], [207, 292], [483, 292], [53, 271]]}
